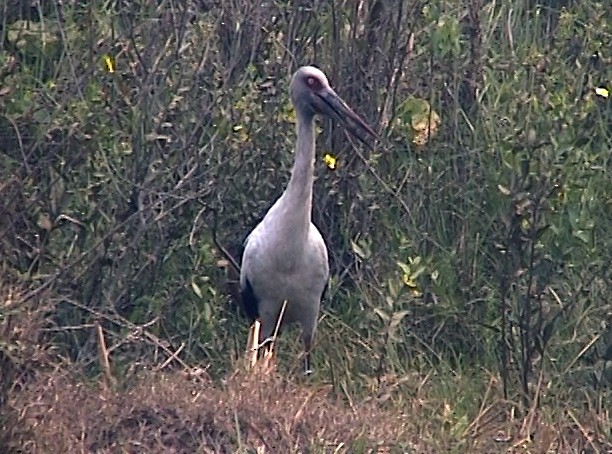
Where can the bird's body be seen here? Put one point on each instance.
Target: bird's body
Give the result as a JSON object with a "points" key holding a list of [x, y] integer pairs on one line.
{"points": [[285, 256]]}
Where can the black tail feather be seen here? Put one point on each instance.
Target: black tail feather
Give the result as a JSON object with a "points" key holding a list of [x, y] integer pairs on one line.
{"points": [[250, 303]]}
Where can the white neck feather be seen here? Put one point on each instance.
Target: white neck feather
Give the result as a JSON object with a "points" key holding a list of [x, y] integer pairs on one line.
{"points": [[299, 189], [293, 211]]}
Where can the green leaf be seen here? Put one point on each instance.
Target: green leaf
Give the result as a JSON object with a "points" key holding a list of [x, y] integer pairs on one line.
{"points": [[405, 268], [382, 314], [504, 190], [359, 251], [582, 235], [196, 289], [420, 270], [397, 318]]}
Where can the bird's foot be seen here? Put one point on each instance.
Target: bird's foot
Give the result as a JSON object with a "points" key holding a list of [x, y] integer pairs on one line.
{"points": [[307, 366], [267, 342]]}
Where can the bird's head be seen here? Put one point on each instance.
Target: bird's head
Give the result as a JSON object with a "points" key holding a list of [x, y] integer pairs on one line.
{"points": [[311, 94]]}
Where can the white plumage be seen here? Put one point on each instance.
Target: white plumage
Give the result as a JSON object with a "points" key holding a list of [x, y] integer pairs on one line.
{"points": [[285, 256]]}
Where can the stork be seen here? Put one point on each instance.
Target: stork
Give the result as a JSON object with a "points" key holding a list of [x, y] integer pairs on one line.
{"points": [[285, 257]]}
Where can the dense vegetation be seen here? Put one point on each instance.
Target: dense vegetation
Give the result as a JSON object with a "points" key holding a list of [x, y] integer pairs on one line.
{"points": [[470, 249]]}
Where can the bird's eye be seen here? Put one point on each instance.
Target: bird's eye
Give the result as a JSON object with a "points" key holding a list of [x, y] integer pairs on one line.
{"points": [[313, 83]]}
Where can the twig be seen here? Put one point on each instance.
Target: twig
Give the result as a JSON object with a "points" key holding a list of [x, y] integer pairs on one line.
{"points": [[230, 258], [103, 351], [253, 343], [269, 354], [584, 431], [171, 358], [280, 319], [581, 353]]}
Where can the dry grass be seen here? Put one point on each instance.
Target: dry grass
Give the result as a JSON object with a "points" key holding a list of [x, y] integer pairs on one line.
{"points": [[49, 405], [179, 412], [173, 412]]}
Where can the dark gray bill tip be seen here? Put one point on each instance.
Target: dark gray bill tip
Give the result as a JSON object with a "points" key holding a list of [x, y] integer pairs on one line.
{"points": [[353, 123]]}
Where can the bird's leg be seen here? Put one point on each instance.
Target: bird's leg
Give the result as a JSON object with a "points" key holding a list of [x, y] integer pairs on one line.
{"points": [[268, 341], [307, 348], [265, 351]]}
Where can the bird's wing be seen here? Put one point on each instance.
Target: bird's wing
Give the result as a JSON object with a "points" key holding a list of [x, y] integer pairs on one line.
{"points": [[320, 248], [320, 257], [250, 246], [250, 302], [247, 258], [246, 240]]}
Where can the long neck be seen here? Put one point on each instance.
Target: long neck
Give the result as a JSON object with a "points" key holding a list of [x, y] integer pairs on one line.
{"points": [[299, 189], [291, 214]]}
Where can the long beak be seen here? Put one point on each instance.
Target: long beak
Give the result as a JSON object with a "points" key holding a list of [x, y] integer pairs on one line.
{"points": [[334, 106]]}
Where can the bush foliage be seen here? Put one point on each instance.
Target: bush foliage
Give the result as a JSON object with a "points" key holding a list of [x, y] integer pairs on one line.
{"points": [[136, 137]]}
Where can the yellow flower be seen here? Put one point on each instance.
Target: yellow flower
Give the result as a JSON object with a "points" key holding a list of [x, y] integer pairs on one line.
{"points": [[330, 161], [109, 62], [603, 92]]}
